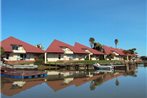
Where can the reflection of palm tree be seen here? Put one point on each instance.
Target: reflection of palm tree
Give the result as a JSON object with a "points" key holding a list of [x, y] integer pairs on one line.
{"points": [[117, 82], [92, 85], [96, 82]]}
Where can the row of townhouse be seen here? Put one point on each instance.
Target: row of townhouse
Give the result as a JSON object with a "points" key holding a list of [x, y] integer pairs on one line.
{"points": [[17, 50]]}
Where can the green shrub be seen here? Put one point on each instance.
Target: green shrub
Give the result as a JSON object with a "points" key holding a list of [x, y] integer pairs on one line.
{"points": [[39, 62], [42, 67]]}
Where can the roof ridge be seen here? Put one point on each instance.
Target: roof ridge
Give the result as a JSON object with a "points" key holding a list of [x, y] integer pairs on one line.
{"points": [[26, 46], [90, 49]]}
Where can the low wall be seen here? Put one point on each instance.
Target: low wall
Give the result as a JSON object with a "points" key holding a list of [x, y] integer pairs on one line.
{"points": [[19, 62]]}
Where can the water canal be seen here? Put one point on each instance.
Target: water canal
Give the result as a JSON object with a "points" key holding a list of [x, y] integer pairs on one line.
{"points": [[121, 84]]}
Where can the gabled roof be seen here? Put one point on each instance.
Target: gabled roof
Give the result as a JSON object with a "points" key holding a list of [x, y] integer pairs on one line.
{"points": [[82, 47], [56, 47], [109, 50], [7, 45]]}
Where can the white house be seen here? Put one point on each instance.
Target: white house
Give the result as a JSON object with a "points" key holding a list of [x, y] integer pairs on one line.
{"points": [[17, 50], [60, 51], [118, 53], [91, 53]]}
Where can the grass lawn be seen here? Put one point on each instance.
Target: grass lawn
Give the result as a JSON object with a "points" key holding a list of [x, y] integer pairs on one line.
{"points": [[87, 62]]}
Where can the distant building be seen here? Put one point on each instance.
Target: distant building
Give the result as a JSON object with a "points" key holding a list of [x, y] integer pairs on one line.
{"points": [[19, 51]]}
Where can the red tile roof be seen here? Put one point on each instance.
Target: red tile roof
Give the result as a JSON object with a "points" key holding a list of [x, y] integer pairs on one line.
{"points": [[109, 50], [131, 54], [82, 47], [7, 45], [55, 47]]}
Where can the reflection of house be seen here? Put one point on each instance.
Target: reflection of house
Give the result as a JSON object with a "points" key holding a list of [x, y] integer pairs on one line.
{"points": [[17, 50], [57, 85], [9, 91], [61, 51], [92, 54], [118, 54]]}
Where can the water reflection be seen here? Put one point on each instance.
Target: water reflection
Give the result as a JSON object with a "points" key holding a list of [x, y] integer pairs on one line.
{"points": [[117, 82], [57, 83]]}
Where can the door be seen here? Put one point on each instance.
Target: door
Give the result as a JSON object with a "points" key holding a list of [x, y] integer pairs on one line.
{"points": [[22, 56]]}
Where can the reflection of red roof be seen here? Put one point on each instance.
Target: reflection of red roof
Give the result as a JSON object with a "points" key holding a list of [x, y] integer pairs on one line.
{"points": [[57, 84], [7, 45], [7, 89], [82, 47], [56, 47], [109, 50], [81, 81]]}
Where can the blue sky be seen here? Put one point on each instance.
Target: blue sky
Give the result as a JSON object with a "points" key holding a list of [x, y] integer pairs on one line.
{"points": [[42, 21]]}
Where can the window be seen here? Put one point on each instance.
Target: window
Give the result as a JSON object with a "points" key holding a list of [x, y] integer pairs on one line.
{"points": [[23, 56], [59, 56], [28, 56], [7, 56], [15, 47]]}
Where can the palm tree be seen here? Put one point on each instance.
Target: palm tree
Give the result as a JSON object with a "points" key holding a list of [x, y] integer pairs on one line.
{"points": [[98, 46], [133, 51], [130, 51], [116, 42], [91, 40], [40, 46], [110, 56]]}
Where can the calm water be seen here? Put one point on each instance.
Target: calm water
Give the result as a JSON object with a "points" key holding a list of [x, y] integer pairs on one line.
{"points": [[121, 85]]}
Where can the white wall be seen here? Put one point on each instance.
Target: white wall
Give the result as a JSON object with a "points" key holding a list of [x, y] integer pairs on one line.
{"points": [[79, 57], [20, 50], [13, 57], [16, 56], [67, 51], [30, 57], [116, 58], [95, 57], [55, 57]]}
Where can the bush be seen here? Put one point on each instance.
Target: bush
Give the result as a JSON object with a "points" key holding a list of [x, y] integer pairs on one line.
{"points": [[39, 62], [143, 57], [42, 67], [86, 58]]}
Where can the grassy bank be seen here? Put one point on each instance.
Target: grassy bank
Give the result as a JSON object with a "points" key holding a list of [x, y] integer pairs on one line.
{"points": [[88, 62]]}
